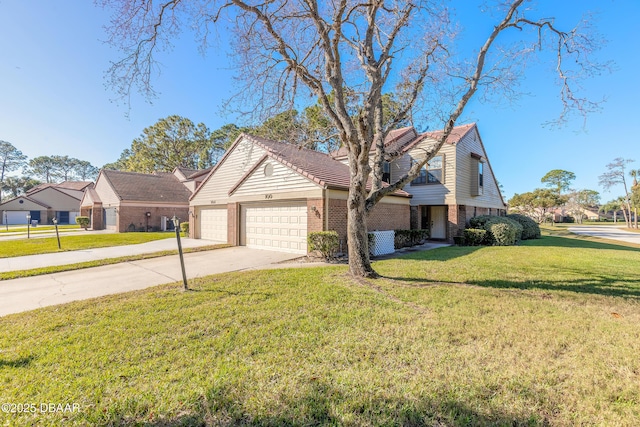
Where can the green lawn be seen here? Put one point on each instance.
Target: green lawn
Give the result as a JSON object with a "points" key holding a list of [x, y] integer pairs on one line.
{"points": [[11, 248], [39, 228], [546, 333]]}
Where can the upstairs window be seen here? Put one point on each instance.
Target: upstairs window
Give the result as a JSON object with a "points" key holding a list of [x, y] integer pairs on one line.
{"points": [[431, 173], [386, 172], [477, 175]]}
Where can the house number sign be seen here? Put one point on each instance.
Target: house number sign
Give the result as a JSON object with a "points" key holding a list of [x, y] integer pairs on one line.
{"points": [[268, 196]]}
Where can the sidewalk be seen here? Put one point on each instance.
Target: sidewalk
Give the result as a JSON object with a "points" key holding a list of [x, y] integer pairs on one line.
{"points": [[73, 257], [30, 293]]}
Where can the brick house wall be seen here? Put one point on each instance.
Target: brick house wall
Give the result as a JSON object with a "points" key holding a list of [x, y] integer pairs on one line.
{"points": [[384, 216], [315, 215], [135, 215], [95, 216]]}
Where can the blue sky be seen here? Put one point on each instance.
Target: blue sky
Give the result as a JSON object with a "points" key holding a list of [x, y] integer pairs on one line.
{"points": [[54, 98]]}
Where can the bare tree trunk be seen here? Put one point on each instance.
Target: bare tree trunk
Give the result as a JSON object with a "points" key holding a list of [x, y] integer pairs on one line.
{"points": [[358, 237], [626, 219], [635, 218]]}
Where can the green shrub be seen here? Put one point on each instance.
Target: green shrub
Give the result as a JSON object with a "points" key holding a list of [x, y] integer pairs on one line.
{"points": [[325, 242], [405, 238], [184, 226], [474, 236], [83, 221], [459, 240], [503, 236], [530, 228]]}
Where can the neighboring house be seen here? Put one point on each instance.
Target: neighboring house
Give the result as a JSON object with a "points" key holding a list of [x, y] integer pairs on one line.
{"points": [[45, 202], [456, 184], [270, 195], [129, 201], [191, 178]]}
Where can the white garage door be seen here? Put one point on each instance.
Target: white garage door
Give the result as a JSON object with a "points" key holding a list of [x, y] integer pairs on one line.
{"points": [[17, 217], [276, 227], [213, 224]]}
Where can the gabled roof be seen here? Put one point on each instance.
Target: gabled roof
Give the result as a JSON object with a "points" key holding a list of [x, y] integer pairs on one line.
{"points": [[391, 141], [68, 185], [27, 198], [317, 167], [75, 185], [157, 187]]}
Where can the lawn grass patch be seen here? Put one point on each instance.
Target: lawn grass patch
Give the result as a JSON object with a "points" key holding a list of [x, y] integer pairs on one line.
{"points": [[23, 229], [34, 246], [543, 334]]}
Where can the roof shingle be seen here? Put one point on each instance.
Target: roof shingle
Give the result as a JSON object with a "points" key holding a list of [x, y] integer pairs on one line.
{"points": [[142, 187]]}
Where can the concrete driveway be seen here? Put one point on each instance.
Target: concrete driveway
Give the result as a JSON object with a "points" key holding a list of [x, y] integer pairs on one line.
{"points": [[607, 232], [40, 291]]}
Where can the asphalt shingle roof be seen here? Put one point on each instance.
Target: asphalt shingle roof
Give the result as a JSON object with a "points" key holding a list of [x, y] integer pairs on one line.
{"points": [[316, 166], [142, 187]]}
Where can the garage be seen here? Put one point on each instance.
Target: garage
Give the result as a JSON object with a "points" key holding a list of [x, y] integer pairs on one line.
{"points": [[17, 217], [213, 224], [275, 226]]}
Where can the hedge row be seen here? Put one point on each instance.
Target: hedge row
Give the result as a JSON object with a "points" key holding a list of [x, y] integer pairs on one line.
{"points": [[499, 231]]}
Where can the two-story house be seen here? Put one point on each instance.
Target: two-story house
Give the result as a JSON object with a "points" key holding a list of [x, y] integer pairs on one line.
{"points": [[457, 183], [270, 195]]}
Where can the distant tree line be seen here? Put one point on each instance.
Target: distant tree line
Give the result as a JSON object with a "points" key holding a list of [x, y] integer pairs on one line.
{"points": [[541, 202], [40, 169], [176, 141]]}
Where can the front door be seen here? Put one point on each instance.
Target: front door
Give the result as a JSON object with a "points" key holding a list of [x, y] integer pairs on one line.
{"points": [[438, 216]]}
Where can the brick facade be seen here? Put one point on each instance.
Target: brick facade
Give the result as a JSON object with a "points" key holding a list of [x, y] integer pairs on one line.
{"points": [[456, 220], [384, 216], [132, 218], [95, 216], [315, 215]]}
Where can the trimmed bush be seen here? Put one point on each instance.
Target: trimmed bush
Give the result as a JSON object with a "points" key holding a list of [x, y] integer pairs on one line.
{"points": [[83, 221], [474, 236], [325, 242], [530, 228], [459, 240], [506, 235], [184, 226], [405, 238], [501, 234]]}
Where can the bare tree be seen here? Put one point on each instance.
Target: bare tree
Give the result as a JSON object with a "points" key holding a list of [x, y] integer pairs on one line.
{"points": [[345, 54], [617, 174]]}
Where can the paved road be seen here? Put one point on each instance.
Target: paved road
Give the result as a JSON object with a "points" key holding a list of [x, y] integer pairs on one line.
{"points": [[34, 292], [607, 232]]}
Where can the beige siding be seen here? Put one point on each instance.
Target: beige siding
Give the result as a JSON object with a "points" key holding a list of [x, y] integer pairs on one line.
{"points": [[57, 200], [281, 180], [490, 197], [239, 161], [106, 193], [431, 194]]}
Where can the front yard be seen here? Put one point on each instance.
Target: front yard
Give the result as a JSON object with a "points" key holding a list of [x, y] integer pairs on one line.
{"points": [[43, 245], [546, 333]]}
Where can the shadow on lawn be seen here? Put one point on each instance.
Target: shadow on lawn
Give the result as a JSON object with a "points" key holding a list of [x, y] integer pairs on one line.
{"points": [[320, 404], [16, 363], [596, 285], [452, 252]]}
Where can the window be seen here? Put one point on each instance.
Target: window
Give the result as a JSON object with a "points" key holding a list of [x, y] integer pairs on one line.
{"points": [[386, 172], [477, 174], [431, 173]]}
